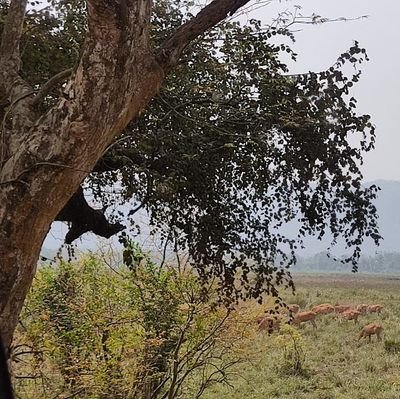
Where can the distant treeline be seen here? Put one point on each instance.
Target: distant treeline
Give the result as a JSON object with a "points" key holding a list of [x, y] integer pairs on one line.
{"points": [[385, 263]]}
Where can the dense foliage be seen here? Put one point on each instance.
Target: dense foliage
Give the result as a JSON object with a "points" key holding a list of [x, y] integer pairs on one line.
{"points": [[233, 147], [92, 331]]}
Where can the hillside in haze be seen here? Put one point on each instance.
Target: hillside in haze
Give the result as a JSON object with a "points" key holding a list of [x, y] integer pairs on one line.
{"points": [[388, 206]]}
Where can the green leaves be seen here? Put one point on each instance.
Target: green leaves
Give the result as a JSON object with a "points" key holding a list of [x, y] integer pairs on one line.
{"points": [[108, 331], [275, 150], [233, 148]]}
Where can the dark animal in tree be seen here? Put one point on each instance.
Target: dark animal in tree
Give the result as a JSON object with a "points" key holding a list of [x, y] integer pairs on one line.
{"points": [[84, 218]]}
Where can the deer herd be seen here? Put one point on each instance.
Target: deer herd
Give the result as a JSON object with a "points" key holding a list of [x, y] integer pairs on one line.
{"points": [[270, 323]]}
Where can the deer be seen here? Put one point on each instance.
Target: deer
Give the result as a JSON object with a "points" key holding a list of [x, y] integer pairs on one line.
{"points": [[324, 308], [268, 323], [293, 308], [371, 329], [363, 308], [342, 308], [375, 308], [350, 315], [302, 317]]}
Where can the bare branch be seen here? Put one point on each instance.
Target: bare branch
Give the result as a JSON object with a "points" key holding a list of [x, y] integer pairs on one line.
{"points": [[208, 17]]}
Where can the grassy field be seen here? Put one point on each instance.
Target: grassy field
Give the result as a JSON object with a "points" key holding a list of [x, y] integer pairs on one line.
{"points": [[336, 365]]}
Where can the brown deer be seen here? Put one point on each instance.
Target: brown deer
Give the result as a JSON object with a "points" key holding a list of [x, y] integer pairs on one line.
{"points": [[375, 308], [350, 315], [324, 308], [363, 308], [302, 317], [268, 323], [293, 308], [371, 329], [342, 308]]}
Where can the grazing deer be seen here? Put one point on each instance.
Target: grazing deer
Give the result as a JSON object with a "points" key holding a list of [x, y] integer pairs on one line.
{"points": [[293, 308], [375, 308], [324, 308], [302, 317], [363, 308], [371, 329], [342, 308], [350, 315], [268, 323]]}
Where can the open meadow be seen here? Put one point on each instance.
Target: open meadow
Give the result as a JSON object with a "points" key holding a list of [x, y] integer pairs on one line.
{"points": [[91, 333], [332, 362]]}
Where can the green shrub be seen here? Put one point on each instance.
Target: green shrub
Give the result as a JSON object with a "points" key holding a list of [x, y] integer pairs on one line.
{"points": [[137, 331], [292, 345]]}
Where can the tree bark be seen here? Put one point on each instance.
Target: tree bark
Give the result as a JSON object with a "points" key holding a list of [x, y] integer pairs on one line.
{"points": [[44, 158]]}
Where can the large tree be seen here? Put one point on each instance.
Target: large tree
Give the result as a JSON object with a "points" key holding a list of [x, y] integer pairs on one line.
{"points": [[230, 147]]}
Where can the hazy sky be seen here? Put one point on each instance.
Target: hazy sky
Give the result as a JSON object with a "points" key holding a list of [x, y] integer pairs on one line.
{"points": [[379, 89]]}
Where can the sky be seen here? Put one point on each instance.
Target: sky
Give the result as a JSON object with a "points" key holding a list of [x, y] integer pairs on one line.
{"points": [[378, 92]]}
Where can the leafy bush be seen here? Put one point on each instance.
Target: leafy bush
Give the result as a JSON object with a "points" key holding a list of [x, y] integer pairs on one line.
{"points": [[292, 344], [138, 330]]}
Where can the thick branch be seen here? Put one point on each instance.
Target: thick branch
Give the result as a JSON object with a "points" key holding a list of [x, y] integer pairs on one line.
{"points": [[9, 51], [13, 89], [208, 17]]}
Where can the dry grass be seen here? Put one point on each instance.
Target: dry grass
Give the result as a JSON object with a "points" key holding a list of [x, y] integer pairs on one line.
{"points": [[336, 365]]}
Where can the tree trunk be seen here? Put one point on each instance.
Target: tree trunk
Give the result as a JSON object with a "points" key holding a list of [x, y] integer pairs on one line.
{"points": [[61, 149], [35, 192], [44, 158]]}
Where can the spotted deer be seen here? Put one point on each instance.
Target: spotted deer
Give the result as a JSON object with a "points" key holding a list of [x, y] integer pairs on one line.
{"points": [[371, 329]]}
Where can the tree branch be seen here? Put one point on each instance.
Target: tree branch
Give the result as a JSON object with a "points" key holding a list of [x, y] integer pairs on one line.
{"points": [[208, 17], [46, 88], [13, 89], [9, 53]]}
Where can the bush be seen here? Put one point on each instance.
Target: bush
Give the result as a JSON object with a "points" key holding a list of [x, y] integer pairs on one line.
{"points": [[292, 345], [137, 331]]}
